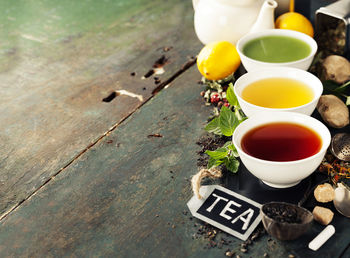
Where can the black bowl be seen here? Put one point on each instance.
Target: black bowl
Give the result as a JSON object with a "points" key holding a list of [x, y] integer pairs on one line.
{"points": [[285, 221]]}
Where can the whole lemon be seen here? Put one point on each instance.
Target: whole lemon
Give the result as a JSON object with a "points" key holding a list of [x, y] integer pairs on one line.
{"points": [[217, 60], [295, 21]]}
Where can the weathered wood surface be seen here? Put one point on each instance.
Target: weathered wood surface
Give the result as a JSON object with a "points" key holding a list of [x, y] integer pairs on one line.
{"points": [[126, 196], [59, 59]]}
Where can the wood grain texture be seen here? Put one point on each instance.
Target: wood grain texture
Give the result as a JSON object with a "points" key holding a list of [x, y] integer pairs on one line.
{"points": [[127, 195], [58, 60]]}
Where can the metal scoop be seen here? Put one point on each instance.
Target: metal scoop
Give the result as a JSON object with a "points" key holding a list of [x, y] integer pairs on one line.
{"points": [[342, 200], [340, 146]]}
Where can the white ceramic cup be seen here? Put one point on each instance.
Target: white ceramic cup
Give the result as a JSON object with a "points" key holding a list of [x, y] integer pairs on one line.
{"points": [[251, 64], [278, 72], [282, 174]]}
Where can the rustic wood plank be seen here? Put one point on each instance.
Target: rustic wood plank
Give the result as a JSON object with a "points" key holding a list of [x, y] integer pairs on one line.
{"points": [[58, 60], [130, 167], [126, 196]]}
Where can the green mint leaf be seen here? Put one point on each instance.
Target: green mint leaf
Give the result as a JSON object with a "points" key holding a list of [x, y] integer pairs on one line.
{"points": [[244, 117], [227, 144], [231, 164], [240, 115], [232, 149], [347, 100], [231, 97], [234, 153], [213, 126], [218, 153], [214, 162], [227, 121]]}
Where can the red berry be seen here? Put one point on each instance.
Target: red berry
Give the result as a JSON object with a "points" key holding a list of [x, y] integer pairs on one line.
{"points": [[215, 98], [226, 104]]}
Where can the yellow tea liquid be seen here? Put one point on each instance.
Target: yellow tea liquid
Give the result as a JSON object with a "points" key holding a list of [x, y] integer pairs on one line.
{"points": [[278, 93]]}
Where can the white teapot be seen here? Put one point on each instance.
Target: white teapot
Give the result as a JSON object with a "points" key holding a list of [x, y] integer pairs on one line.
{"points": [[229, 20]]}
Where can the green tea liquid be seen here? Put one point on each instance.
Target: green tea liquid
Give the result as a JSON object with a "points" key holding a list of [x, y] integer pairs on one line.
{"points": [[276, 49]]}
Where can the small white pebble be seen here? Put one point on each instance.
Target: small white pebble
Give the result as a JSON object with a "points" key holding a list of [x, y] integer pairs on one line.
{"points": [[321, 238]]}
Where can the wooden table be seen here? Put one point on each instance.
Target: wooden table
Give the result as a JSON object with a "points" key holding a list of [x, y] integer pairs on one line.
{"points": [[83, 174]]}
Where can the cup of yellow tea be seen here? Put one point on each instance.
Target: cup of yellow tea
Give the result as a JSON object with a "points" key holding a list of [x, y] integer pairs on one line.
{"points": [[278, 89], [277, 47]]}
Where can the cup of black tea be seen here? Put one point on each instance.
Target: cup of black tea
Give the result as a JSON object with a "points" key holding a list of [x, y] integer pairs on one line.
{"points": [[281, 148]]}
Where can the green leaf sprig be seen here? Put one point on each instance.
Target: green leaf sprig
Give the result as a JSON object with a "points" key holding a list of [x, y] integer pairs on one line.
{"points": [[225, 124], [339, 90], [225, 155], [227, 121]]}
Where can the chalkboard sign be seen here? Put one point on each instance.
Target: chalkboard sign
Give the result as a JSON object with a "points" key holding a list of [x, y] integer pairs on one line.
{"points": [[227, 210]]}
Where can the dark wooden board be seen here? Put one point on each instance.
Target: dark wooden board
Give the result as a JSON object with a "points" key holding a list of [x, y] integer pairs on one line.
{"points": [[58, 60], [126, 196]]}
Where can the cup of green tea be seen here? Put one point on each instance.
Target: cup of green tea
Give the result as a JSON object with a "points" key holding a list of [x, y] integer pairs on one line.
{"points": [[278, 89], [282, 148], [276, 47]]}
